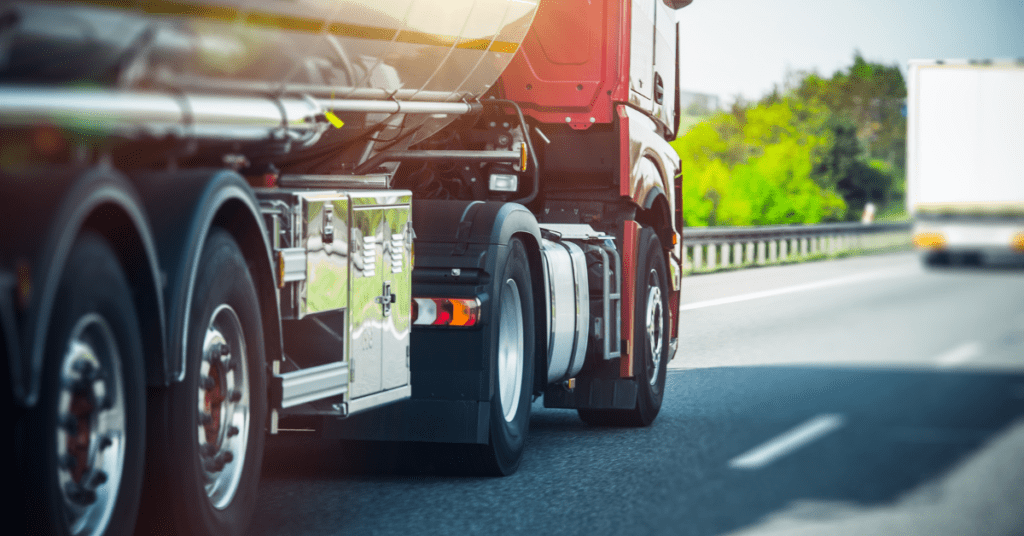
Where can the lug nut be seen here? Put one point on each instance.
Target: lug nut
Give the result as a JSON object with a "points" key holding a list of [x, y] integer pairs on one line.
{"points": [[214, 465], [224, 349], [232, 431], [80, 495], [98, 479]]}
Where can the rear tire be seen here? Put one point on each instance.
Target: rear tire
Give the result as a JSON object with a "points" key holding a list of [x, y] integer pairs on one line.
{"points": [[511, 368], [936, 259], [86, 437], [208, 451], [651, 340]]}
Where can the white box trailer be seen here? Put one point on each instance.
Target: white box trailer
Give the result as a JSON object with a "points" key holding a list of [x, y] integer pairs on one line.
{"points": [[965, 183]]}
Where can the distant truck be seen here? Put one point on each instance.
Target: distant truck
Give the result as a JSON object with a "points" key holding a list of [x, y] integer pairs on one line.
{"points": [[965, 184]]}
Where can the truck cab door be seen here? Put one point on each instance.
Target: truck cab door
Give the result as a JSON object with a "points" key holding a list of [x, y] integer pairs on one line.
{"points": [[665, 65], [641, 54]]}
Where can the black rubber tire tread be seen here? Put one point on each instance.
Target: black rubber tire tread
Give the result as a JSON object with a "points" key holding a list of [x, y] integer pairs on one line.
{"points": [[507, 440], [93, 282], [176, 501], [936, 259], [649, 397]]}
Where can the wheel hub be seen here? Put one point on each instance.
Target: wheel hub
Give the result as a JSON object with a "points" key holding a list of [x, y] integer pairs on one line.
{"points": [[510, 349], [223, 406], [655, 325], [91, 426]]}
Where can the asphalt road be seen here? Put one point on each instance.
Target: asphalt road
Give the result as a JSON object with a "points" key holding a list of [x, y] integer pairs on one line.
{"points": [[859, 396]]}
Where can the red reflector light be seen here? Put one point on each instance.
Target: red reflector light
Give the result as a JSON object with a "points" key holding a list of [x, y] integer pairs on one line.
{"points": [[458, 312]]}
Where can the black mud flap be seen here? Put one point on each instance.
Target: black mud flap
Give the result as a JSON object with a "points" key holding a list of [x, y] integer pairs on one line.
{"points": [[593, 393]]}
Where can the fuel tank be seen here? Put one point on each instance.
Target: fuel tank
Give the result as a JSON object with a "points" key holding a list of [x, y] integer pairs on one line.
{"points": [[404, 50]]}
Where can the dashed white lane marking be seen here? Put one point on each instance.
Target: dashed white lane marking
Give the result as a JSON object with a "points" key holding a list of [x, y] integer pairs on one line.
{"points": [[960, 354], [788, 442], [883, 274]]}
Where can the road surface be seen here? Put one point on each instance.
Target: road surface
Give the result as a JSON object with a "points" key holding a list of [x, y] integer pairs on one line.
{"points": [[859, 396]]}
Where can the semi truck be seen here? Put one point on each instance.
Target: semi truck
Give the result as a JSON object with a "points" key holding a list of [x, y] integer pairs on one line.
{"points": [[403, 221], [964, 189]]}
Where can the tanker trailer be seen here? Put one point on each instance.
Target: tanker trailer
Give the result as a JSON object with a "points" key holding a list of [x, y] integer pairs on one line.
{"points": [[210, 225]]}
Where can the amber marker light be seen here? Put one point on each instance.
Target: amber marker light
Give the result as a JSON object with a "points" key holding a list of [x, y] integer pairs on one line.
{"points": [[280, 269], [453, 312], [929, 241], [1017, 242]]}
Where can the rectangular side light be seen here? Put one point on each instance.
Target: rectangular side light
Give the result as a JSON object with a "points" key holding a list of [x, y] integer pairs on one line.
{"points": [[454, 312], [504, 182]]}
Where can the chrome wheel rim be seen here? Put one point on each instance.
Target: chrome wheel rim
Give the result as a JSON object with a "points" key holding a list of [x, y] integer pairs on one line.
{"points": [[91, 426], [223, 406], [510, 349], [655, 324]]}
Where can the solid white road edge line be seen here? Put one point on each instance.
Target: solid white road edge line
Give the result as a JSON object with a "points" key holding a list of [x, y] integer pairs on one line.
{"points": [[960, 354], [883, 274], [788, 442]]}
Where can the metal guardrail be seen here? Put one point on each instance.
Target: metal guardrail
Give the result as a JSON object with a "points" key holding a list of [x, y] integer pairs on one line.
{"points": [[711, 248]]}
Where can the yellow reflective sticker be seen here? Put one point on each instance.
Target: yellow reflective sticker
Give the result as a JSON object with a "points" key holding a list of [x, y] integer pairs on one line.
{"points": [[335, 120]]}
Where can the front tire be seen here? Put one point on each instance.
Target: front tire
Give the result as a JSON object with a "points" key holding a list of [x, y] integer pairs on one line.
{"points": [[651, 339], [511, 368], [87, 435], [209, 450]]}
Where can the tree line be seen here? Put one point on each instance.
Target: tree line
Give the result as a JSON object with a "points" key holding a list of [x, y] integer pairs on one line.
{"points": [[817, 150]]}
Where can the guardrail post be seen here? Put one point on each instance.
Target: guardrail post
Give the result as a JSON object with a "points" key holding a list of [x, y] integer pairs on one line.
{"points": [[724, 252], [737, 254], [712, 258], [698, 261], [773, 251], [782, 249], [760, 252]]}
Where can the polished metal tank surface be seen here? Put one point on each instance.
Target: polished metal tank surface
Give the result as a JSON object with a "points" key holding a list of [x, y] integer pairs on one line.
{"points": [[405, 50]]}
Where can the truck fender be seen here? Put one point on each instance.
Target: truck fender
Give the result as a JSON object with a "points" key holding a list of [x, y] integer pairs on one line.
{"points": [[475, 235], [97, 197], [183, 206], [652, 196]]}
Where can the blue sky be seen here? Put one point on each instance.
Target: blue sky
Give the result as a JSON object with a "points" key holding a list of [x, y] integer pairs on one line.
{"points": [[731, 47]]}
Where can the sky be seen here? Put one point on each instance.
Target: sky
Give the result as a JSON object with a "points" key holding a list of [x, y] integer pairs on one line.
{"points": [[744, 47]]}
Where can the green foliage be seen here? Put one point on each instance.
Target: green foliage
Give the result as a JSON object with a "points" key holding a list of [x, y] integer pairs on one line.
{"points": [[814, 153]]}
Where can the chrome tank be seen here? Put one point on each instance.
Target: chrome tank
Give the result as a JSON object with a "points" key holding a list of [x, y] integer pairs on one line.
{"points": [[405, 50]]}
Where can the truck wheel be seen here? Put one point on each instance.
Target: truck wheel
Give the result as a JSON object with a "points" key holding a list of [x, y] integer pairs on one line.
{"points": [[512, 368], [87, 435], [936, 259], [211, 443], [651, 345]]}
